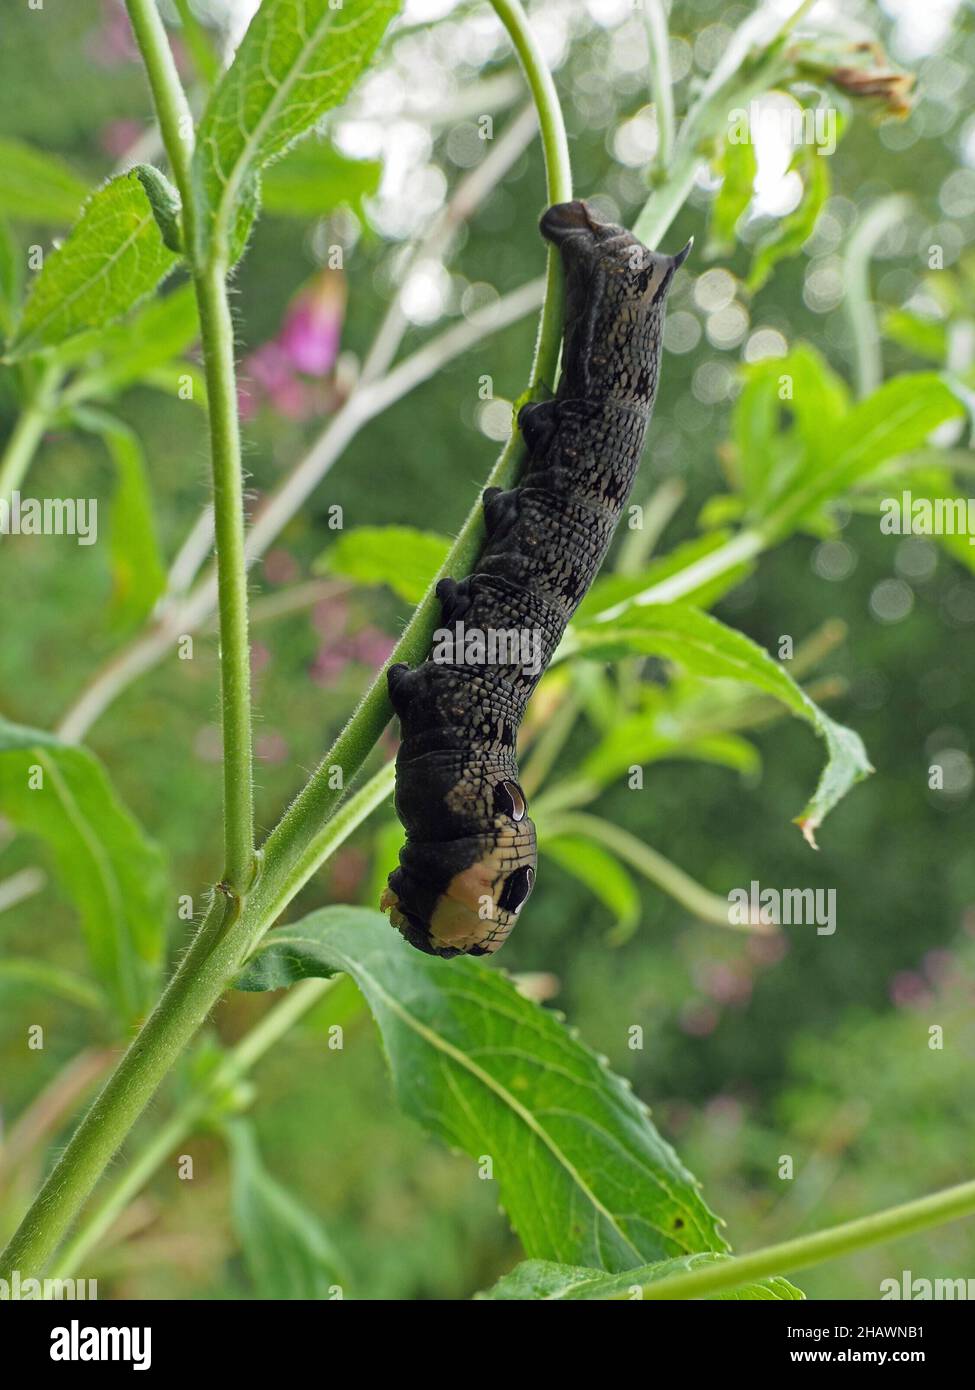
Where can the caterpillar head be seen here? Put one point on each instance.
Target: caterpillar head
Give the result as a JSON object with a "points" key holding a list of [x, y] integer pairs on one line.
{"points": [[615, 294], [462, 897]]}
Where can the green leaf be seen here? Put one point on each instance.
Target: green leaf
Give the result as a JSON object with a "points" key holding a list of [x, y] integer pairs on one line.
{"points": [[790, 235], [644, 738], [138, 572], [400, 557], [314, 178], [41, 974], [113, 874], [611, 590], [113, 257], [286, 1250], [895, 419], [36, 187], [769, 459], [113, 358], [926, 338], [704, 647], [541, 1280], [738, 166], [298, 59], [11, 278], [581, 1171], [603, 875]]}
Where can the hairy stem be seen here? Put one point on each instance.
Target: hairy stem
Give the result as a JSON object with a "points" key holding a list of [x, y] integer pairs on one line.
{"points": [[228, 512], [935, 1210], [169, 99]]}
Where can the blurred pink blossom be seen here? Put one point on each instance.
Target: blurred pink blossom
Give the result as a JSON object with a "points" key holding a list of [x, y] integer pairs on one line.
{"points": [[908, 990], [768, 950], [329, 618], [270, 747], [113, 42], [280, 567], [307, 346], [260, 656], [348, 870], [312, 327], [117, 137], [699, 1019]]}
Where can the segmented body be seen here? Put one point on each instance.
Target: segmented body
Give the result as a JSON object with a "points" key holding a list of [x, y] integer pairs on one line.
{"points": [[470, 858]]}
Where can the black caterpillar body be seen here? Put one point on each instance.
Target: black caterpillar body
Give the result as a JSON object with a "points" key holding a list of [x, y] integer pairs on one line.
{"points": [[469, 861]]}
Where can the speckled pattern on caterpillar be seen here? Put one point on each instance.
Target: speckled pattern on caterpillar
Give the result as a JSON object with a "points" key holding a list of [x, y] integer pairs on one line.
{"points": [[469, 861]]}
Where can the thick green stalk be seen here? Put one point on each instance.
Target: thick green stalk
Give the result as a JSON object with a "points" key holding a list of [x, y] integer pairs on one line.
{"points": [[169, 99], [558, 173], [940, 1207], [216, 328], [217, 333]]}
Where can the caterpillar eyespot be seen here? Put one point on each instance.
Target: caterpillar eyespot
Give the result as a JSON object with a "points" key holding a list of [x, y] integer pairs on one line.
{"points": [[468, 866]]}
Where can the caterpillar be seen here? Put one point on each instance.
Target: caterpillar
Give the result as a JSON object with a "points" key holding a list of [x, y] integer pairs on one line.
{"points": [[470, 856]]}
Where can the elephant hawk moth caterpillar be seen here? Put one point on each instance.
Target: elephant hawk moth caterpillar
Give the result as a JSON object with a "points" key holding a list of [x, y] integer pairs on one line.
{"points": [[468, 864]]}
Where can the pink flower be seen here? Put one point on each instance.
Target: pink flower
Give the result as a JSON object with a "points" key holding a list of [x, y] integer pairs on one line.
{"points": [[330, 617], [270, 747], [113, 43], [908, 990], [312, 329], [269, 369], [280, 567], [699, 1019], [117, 137]]}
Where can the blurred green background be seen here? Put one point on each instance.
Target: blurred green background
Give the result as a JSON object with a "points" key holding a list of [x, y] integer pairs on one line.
{"points": [[814, 1047]]}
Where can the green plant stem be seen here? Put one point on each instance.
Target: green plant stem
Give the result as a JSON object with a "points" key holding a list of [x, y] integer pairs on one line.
{"points": [[169, 99], [661, 81], [861, 315], [741, 75], [270, 1029], [27, 433], [288, 844], [558, 174], [706, 906], [217, 334], [935, 1210]]}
